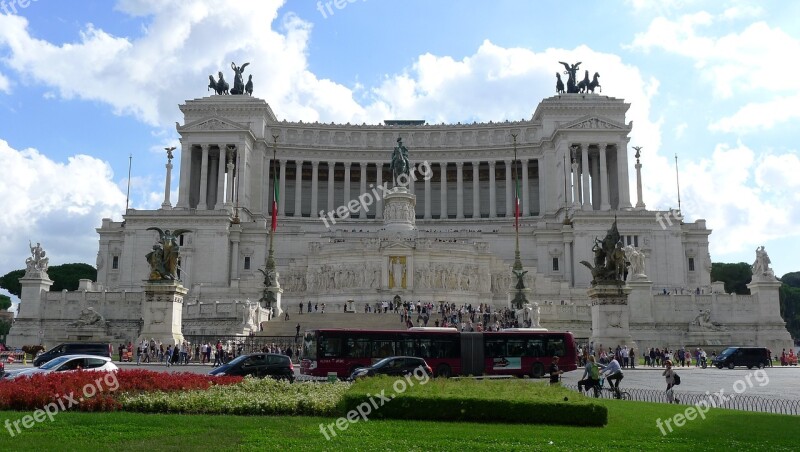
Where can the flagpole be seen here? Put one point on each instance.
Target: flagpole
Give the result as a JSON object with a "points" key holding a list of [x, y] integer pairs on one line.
{"points": [[128, 194], [270, 256], [678, 182]]}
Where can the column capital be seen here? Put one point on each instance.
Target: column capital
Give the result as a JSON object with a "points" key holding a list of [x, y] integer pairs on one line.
{"points": [[459, 165], [507, 162], [492, 163], [282, 163], [478, 163], [204, 146], [315, 164]]}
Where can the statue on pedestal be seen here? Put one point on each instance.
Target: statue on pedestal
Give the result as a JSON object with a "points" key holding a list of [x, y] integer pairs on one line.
{"points": [[760, 268], [37, 262], [609, 259]]}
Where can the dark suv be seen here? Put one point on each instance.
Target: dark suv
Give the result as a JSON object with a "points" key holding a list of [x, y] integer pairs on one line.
{"points": [[742, 356], [258, 365], [394, 365], [75, 348]]}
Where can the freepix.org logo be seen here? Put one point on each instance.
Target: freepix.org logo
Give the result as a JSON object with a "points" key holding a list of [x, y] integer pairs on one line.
{"points": [[365, 200]]}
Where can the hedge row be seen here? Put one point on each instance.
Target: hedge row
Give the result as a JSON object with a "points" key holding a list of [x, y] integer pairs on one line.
{"points": [[472, 401]]}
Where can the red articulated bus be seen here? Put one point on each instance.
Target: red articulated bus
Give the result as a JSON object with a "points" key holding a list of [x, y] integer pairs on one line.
{"points": [[518, 351]]}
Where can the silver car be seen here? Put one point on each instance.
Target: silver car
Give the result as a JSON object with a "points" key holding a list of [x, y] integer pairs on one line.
{"points": [[67, 363]]}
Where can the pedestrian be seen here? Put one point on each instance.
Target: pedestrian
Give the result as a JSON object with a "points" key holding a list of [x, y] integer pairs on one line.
{"points": [[297, 332], [555, 372], [669, 375], [168, 355], [301, 308]]}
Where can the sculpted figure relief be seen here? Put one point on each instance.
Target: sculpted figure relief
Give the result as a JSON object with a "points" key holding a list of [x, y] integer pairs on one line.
{"points": [[760, 268], [88, 317]]}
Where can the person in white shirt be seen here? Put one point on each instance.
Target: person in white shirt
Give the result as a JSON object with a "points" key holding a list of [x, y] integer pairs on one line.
{"points": [[613, 373]]}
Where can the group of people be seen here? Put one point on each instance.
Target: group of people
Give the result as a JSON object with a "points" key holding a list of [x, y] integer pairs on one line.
{"points": [[681, 357], [154, 351]]}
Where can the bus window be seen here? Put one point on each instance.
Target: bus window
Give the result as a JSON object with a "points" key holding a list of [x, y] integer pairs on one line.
{"points": [[494, 347], [382, 349], [424, 348], [535, 348], [331, 346], [357, 348], [405, 347], [515, 347], [555, 346], [309, 346], [446, 348]]}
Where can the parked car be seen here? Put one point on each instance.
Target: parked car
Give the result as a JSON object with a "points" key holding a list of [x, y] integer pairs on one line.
{"points": [[75, 348], [67, 363], [742, 356], [393, 365], [258, 365]]}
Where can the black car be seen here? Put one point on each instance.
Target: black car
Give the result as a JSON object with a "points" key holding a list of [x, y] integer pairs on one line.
{"points": [[393, 365], [258, 365], [742, 356], [103, 349]]}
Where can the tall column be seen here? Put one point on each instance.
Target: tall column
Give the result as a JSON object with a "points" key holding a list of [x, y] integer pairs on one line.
{"points": [[476, 198], [639, 203], [282, 190], [167, 204], [378, 183], [622, 176], [220, 180], [298, 188], [229, 166], [604, 202], [443, 208], [238, 192], [587, 203], [509, 191], [568, 262], [203, 179], [331, 166], [428, 195], [594, 164], [542, 185], [575, 178], [186, 164], [346, 183], [362, 213], [314, 188], [459, 189], [526, 192], [235, 236], [492, 190]]}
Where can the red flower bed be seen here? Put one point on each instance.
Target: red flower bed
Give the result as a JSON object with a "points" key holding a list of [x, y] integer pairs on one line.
{"points": [[96, 391]]}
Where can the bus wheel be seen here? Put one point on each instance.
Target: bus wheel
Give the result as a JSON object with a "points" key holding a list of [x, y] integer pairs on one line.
{"points": [[537, 371], [443, 371]]}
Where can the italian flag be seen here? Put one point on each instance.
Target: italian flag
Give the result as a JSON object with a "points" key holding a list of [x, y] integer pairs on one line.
{"points": [[275, 196]]}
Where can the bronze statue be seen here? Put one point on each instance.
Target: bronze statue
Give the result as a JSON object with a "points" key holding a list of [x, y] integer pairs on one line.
{"points": [[163, 259], [248, 88], [222, 85], [610, 263], [559, 84], [400, 164], [238, 81], [572, 86], [585, 85]]}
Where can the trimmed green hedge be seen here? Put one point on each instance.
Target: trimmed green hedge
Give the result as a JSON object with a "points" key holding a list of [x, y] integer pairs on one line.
{"points": [[508, 401]]}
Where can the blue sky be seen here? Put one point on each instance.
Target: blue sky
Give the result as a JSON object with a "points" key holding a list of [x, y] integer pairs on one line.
{"points": [[83, 88]]}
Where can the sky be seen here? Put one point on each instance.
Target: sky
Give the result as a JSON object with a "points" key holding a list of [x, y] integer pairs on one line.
{"points": [[88, 87]]}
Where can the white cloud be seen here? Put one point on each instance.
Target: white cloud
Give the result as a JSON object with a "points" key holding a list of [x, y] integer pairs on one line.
{"points": [[57, 204], [755, 116], [742, 11], [5, 84]]}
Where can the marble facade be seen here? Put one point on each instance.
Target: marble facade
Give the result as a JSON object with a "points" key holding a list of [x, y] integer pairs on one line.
{"points": [[448, 236]]}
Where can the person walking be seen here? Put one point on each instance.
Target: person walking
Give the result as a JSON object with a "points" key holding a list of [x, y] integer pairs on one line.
{"points": [[168, 355], [669, 375]]}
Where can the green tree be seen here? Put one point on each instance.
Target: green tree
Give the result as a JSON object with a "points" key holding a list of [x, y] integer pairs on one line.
{"points": [[64, 276], [10, 282], [790, 302], [735, 276], [5, 302]]}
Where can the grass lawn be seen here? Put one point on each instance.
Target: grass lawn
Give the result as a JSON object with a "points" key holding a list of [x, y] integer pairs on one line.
{"points": [[631, 426]]}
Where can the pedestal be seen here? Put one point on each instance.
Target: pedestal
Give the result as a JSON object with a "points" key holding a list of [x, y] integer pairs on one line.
{"points": [[640, 300], [771, 330], [610, 316], [275, 300], [399, 210], [162, 311], [27, 328]]}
